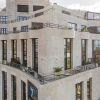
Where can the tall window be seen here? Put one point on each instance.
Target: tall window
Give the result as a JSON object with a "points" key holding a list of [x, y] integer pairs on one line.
{"points": [[14, 49], [4, 50], [84, 51], [89, 89], [96, 49], [35, 53], [24, 49], [79, 91], [32, 92], [67, 53], [3, 19], [13, 85], [4, 85], [23, 90]]}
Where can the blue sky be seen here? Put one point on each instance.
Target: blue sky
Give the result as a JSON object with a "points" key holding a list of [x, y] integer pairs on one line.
{"points": [[91, 5]]}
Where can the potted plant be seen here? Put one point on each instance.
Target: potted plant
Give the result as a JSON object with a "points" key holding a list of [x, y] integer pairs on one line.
{"points": [[58, 71]]}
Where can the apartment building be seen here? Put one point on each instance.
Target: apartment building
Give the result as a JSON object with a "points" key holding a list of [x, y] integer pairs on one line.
{"points": [[48, 52]]}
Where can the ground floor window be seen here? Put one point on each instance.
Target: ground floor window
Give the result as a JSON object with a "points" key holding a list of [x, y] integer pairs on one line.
{"points": [[89, 89], [13, 85], [4, 85], [23, 90], [79, 91], [32, 92]]}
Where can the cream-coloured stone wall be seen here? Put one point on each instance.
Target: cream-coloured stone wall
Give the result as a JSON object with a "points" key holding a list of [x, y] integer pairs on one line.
{"points": [[62, 89]]}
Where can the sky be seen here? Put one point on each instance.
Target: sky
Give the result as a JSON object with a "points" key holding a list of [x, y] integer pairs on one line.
{"points": [[91, 5]]}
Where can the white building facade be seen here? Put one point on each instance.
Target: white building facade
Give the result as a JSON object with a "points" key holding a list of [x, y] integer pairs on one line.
{"points": [[48, 52]]}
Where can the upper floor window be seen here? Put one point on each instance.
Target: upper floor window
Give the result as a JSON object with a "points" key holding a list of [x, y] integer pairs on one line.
{"points": [[24, 28], [84, 50], [24, 51], [38, 14], [67, 53], [3, 19], [14, 29], [92, 16], [3, 30], [22, 8], [14, 49], [66, 12], [96, 49], [72, 25], [22, 18], [37, 7]]}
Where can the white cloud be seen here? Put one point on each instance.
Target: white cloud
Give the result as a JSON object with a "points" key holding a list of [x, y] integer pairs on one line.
{"points": [[93, 5], [94, 8], [2, 4]]}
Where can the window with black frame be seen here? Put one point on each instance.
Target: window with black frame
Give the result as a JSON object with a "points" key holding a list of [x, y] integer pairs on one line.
{"points": [[22, 18], [14, 49], [3, 19], [4, 85], [32, 92], [92, 16], [37, 7], [96, 50], [84, 51], [23, 90], [67, 53], [3, 30], [24, 28], [35, 53], [22, 8], [24, 50], [79, 91], [4, 50], [89, 89], [13, 86]]}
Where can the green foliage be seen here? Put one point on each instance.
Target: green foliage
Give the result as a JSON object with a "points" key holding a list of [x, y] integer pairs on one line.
{"points": [[57, 69]]}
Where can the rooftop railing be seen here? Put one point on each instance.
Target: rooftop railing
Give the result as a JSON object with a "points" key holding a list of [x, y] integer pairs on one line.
{"points": [[38, 25], [49, 78]]}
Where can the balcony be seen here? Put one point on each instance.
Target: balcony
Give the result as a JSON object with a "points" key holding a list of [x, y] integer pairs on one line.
{"points": [[53, 77]]}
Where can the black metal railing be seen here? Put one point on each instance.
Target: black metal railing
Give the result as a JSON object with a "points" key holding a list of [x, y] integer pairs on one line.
{"points": [[48, 78], [39, 25]]}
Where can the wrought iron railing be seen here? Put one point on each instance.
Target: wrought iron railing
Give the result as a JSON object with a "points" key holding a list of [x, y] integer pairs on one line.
{"points": [[54, 76]]}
